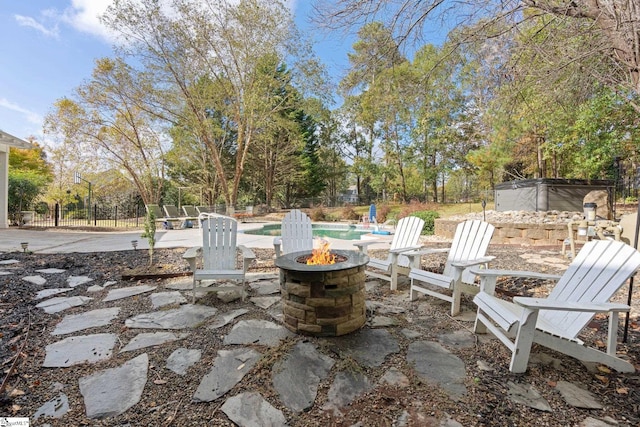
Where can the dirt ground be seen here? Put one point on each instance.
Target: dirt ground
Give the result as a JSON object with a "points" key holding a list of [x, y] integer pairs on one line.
{"points": [[26, 331]]}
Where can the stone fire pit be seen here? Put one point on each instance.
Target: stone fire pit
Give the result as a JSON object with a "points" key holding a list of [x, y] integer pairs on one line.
{"points": [[323, 300]]}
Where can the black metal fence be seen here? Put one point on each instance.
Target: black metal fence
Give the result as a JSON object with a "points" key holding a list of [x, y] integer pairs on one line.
{"points": [[73, 216]]}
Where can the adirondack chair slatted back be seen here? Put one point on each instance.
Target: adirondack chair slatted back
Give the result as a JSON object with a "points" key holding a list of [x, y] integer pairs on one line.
{"points": [[470, 241], [296, 232], [407, 233], [219, 235], [595, 275]]}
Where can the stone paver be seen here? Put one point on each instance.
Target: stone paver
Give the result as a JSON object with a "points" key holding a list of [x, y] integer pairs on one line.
{"points": [[111, 392], [368, 347], [346, 386], [526, 394], [296, 377], [434, 363], [187, 316], [254, 331], [58, 304], [227, 370], [251, 409], [160, 299], [75, 281], [79, 349], [36, 280], [577, 396], [149, 339], [182, 359], [46, 293], [90, 319], [116, 294]]}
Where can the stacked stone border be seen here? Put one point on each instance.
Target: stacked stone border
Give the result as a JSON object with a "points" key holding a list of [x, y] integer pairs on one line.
{"points": [[512, 233]]}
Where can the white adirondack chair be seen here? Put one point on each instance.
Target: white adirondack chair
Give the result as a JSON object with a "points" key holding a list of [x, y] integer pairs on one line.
{"points": [[468, 248], [296, 234], [406, 238], [218, 254], [593, 277]]}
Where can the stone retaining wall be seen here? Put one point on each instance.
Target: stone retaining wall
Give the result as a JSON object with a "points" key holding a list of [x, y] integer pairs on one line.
{"points": [[513, 233]]}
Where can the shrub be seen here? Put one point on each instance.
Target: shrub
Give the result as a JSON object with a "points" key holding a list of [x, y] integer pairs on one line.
{"points": [[429, 220], [349, 214], [383, 213], [318, 214]]}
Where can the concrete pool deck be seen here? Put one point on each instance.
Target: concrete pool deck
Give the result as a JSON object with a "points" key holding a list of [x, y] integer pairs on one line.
{"points": [[61, 241]]}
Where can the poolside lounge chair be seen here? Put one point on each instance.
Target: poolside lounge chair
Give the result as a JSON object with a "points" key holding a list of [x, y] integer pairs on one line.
{"points": [[405, 239], [185, 221], [296, 234], [593, 277], [218, 254], [468, 249]]}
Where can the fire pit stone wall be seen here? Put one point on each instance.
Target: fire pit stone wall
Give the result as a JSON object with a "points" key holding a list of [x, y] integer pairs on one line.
{"points": [[326, 300]]}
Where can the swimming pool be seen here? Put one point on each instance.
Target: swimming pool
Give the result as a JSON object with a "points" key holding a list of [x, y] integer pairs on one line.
{"points": [[319, 230]]}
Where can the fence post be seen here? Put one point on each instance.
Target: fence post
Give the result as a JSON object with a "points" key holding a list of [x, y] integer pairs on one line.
{"points": [[95, 215], [56, 214], [115, 217]]}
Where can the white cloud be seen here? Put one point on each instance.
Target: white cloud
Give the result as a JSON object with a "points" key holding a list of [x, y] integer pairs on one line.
{"points": [[84, 16], [27, 21], [31, 116]]}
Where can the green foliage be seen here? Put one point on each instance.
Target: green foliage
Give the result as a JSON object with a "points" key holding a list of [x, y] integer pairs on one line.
{"points": [[429, 218], [150, 232], [24, 188]]}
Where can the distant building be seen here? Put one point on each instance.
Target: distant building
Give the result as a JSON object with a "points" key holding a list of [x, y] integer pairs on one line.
{"points": [[7, 141], [349, 196]]}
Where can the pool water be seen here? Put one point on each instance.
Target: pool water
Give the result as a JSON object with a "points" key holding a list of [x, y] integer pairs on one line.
{"points": [[319, 230]]}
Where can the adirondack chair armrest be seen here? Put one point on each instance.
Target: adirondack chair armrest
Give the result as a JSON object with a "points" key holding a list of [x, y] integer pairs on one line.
{"points": [[471, 262], [191, 254], [247, 257], [546, 304], [427, 251], [404, 250], [277, 245], [489, 276], [364, 245]]}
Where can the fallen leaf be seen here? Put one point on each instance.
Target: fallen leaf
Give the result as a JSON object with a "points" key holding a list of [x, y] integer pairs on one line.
{"points": [[159, 382], [16, 392], [552, 383], [240, 367], [603, 378], [604, 369], [15, 408], [622, 390], [600, 344]]}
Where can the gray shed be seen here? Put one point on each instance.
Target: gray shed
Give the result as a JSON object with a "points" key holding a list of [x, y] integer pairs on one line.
{"points": [[547, 194]]}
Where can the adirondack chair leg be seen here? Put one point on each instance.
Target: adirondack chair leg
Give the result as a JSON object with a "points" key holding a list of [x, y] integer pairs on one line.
{"points": [[457, 292], [478, 326], [524, 339], [193, 291], [612, 336], [394, 277]]}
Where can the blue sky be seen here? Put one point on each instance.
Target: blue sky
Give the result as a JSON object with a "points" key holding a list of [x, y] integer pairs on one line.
{"points": [[49, 47]]}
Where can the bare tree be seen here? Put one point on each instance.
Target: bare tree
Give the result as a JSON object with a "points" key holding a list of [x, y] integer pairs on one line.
{"points": [[615, 24]]}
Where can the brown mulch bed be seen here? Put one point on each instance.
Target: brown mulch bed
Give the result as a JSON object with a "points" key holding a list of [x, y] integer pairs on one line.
{"points": [[26, 331]]}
